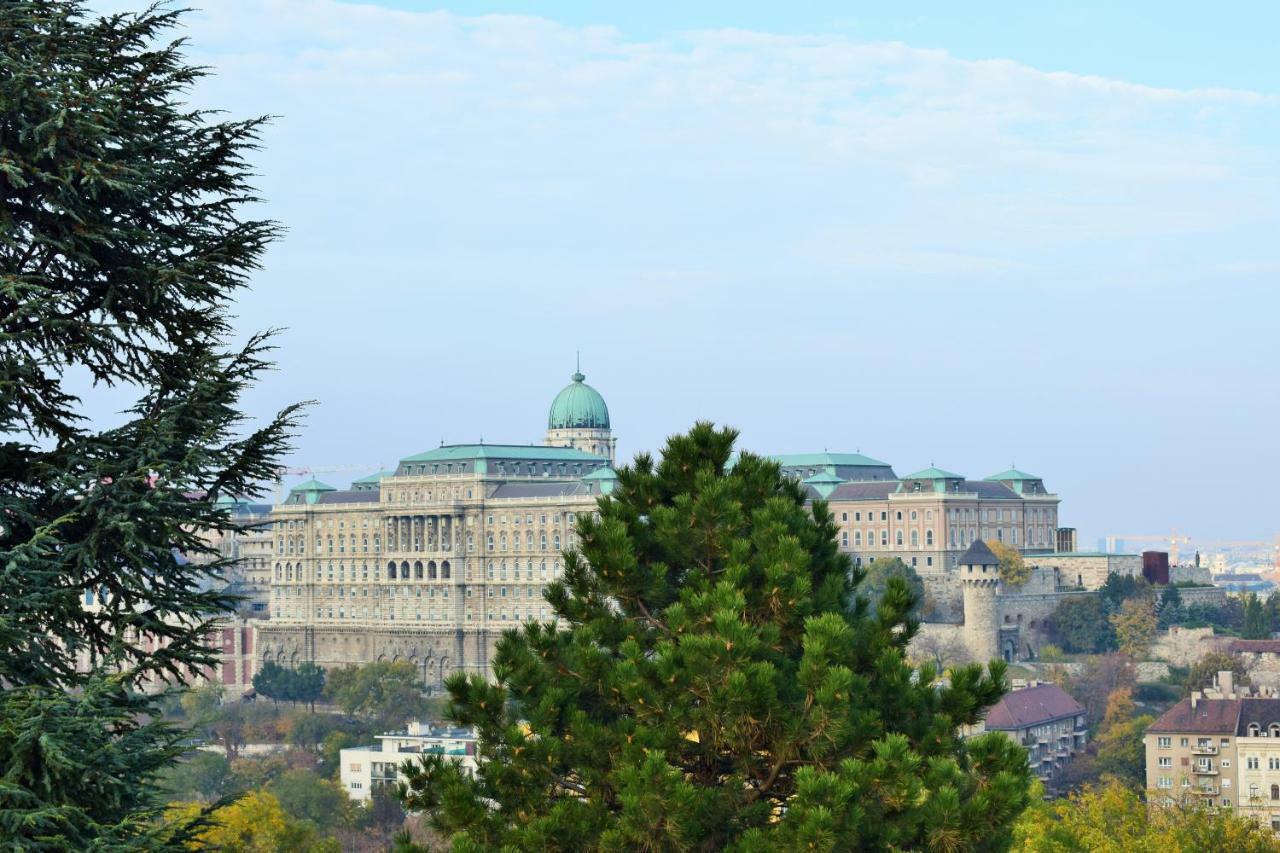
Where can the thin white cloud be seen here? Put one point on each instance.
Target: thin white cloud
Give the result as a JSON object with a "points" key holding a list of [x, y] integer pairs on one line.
{"points": [[992, 155]]}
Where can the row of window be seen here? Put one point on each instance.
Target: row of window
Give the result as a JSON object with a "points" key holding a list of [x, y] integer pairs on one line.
{"points": [[1033, 515]]}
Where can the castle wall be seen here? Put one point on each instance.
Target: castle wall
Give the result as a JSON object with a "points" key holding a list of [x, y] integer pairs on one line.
{"points": [[1190, 574], [943, 593], [1213, 596], [437, 653], [1089, 570]]}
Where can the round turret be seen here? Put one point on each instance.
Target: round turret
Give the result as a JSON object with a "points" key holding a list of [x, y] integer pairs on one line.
{"points": [[980, 581]]}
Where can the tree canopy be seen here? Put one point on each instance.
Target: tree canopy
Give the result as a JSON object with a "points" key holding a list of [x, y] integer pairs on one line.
{"points": [[1013, 568], [713, 682], [122, 248], [1080, 624], [876, 582], [389, 690], [1112, 818]]}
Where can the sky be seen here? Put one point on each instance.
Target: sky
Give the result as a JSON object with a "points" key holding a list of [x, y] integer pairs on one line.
{"points": [[971, 235]]}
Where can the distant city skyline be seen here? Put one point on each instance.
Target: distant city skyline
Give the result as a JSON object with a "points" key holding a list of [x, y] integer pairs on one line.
{"points": [[828, 233]]}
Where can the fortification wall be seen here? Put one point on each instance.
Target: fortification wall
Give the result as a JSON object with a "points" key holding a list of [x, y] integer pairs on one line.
{"points": [[1087, 569], [942, 591], [1213, 596], [1185, 646], [1190, 574]]}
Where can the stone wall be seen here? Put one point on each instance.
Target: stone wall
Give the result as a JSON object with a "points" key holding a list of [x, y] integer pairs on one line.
{"points": [[1184, 646], [1213, 596], [939, 643], [434, 652], [942, 591], [1190, 574], [1089, 570]]}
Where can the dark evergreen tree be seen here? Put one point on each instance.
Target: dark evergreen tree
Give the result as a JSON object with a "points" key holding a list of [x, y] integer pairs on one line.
{"points": [[271, 681], [122, 247], [715, 683], [1257, 623], [1080, 624], [1170, 609], [308, 684]]}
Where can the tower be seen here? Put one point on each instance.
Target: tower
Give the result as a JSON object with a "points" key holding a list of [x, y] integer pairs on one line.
{"points": [[980, 580], [579, 418]]}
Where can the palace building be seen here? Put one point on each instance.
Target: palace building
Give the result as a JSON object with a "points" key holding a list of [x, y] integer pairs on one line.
{"points": [[431, 562]]}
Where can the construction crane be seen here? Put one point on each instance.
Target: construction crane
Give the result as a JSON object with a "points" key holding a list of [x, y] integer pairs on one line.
{"points": [[1173, 540], [281, 473]]}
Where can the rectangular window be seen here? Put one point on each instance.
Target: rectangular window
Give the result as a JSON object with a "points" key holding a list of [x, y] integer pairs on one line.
{"points": [[1164, 742]]}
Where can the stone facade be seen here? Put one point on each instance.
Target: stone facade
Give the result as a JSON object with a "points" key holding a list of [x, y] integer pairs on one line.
{"points": [[927, 519], [1089, 570], [431, 562]]}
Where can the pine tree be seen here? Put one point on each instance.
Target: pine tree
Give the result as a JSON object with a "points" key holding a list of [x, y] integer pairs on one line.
{"points": [[715, 683], [1257, 624], [121, 250], [1170, 608]]}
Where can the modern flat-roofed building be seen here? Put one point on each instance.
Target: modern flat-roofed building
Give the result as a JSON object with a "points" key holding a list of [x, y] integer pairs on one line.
{"points": [[365, 768]]}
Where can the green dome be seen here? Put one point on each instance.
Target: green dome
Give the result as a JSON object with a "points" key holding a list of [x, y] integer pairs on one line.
{"points": [[578, 406]]}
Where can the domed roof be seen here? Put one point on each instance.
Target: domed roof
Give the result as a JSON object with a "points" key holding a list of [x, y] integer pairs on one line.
{"points": [[578, 406]]}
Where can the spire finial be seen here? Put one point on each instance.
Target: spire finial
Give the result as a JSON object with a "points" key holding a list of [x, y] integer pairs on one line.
{"points": [[577, 366]]}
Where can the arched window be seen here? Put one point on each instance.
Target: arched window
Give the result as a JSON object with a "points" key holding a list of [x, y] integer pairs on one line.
{"points": [[857, 538], [898, 538], [928, 537], [528, 540], [391, 571], [404, 570], [502, 542], [431, 570], [1274, 729], [1254, 728], [1275, 792], [556, 540], [279, 572], [915, 539], [417, 570], [444, 570]]}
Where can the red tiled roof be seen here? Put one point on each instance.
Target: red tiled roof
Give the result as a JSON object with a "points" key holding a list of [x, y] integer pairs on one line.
{"points": [[1210, 716], [1254, 646], [1032, 707]]}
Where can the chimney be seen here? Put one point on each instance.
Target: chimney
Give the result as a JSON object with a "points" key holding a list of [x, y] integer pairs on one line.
{"points": [[1225, 683], [1195, 698]]}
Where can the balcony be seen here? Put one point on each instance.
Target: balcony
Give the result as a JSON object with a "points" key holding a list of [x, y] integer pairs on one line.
{"points": [[1204, 749], [1204, 771], [1206, 791]]}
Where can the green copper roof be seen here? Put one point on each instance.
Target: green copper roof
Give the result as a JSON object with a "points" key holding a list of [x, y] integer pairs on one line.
{"points": [[606, 477], [308, 492], [798, 460], [374, 477], [932, 473], [522, 452], [824, 483], [313, 485], [1012, 474], [578, 406]]}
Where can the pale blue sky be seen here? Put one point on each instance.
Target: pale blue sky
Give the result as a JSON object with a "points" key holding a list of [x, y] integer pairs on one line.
{"points": [[969, 234]]}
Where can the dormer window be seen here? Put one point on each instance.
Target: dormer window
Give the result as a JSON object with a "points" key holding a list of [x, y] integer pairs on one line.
{"points": [[1274, 729]]}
